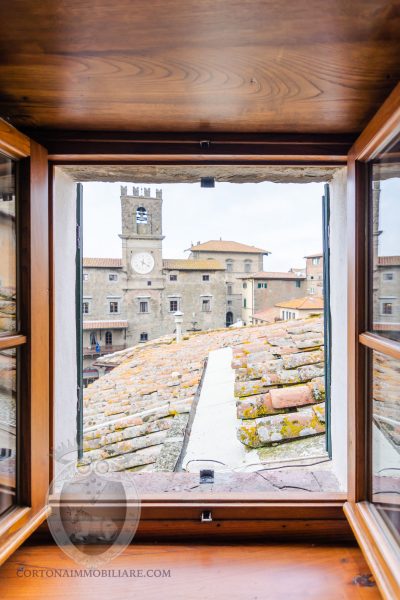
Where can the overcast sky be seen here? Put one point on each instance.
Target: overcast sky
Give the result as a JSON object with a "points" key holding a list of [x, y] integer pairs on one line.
{"points": [[285, 219]]}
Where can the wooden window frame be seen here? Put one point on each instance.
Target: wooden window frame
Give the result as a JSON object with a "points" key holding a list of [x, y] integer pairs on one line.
{"points": [[370, 529], [33, 304], [250, 515]]}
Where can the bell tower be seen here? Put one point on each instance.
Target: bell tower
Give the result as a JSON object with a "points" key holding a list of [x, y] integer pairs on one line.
{"points": [[142, 263], [141, 235]]}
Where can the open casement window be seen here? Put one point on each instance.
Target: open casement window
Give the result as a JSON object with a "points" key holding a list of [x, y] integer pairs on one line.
{"points": [[374, 345], [24, 338]]}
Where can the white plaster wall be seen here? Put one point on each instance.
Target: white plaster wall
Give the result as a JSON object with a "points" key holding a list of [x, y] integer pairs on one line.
{"points": [[338, 281], [64, 310]]}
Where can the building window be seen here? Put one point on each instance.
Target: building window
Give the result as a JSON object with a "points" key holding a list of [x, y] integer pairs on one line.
{"points": [[173, 305], [114, 308], [173, 277], [108, 338], [86, 277], [298, 283], [144, 337], [388, 276], [312, 290], [85, 307], [387, 308], [229, 265], [245, 286], [315, 261], [149, 283], [229, 302], [112, 277], [141, 215], [262, 284], [143, 306], [247, 266], [229, 289], [206, 278], [206, 305], [93, 340], [244, 302]]}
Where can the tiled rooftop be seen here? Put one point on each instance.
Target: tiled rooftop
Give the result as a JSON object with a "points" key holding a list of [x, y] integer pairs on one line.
{"points": [[136, 415], [388, 261], [107, 263], [227, 246], [110, 324], [306, 303], [280, 386]]}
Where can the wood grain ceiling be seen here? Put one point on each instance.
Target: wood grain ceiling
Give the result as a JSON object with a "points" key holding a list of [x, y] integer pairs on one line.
{"points": [[309, 66]]}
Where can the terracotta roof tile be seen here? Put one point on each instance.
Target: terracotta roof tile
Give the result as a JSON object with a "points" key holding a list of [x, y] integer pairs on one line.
{"points": [[280, 388], [389, 261], [227, 246], [107, 263], [136, 415], [105, 325], [306, 303], [268, 315]]}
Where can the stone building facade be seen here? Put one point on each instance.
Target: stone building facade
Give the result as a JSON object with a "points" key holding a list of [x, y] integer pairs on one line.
{"points": [[134, 299], [240, 261], [262, 291], [315, 274]]}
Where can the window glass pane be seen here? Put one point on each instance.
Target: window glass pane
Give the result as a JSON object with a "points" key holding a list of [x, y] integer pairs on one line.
{"points": [[386, 438], [8, 423], [385, 243], [8, 261]]}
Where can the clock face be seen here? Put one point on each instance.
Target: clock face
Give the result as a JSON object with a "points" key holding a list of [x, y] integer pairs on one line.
{"points": [[142, 263]]}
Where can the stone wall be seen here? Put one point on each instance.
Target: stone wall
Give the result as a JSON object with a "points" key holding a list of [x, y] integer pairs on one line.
{"points": [[238, 259], [277, 290], [98, 290], [315, 276]]}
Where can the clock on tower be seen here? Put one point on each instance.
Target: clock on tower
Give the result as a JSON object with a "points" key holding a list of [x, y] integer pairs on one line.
{"points": [[142, 238]]}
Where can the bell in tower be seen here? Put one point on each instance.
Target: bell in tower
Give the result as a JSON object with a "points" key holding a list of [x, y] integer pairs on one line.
{"points": [[141, 212]]}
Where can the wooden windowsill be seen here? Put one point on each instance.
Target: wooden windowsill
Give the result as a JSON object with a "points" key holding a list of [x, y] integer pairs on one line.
{"points": [[377, 545]]}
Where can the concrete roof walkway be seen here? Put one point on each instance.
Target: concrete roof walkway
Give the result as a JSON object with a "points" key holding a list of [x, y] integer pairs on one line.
{"points": [[213, 433]]}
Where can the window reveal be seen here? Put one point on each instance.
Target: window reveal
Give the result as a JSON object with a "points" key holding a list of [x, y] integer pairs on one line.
{"points": [[114, 308], [143, 306]]}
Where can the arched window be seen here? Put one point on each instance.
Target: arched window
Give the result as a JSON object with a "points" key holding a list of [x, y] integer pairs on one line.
{"points": [[108, 338], [141, 215]]}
